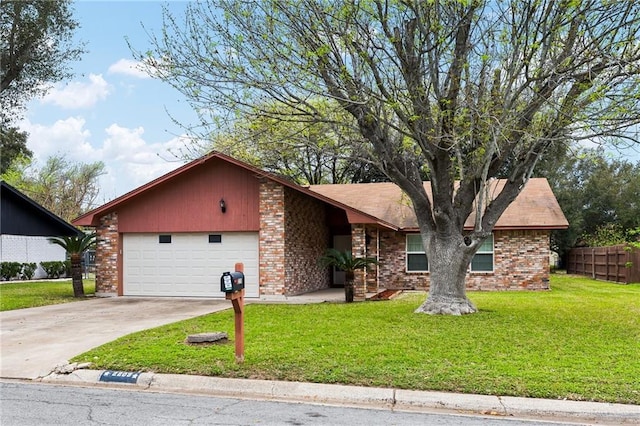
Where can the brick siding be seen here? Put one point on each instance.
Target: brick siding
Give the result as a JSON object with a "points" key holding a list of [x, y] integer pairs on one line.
{"points": [[371, 276], [107, 256], [521, 262], [293, 236], [271, 239], [359, 249], [306, 239]]}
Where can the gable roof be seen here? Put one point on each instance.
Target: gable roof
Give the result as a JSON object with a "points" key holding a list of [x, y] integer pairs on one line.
{"points": [[383, 204], [20, 215], [535, 207], [354, 215]]}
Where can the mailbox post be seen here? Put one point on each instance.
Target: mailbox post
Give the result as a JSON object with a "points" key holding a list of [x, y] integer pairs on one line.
{"points": [[232, 283]]}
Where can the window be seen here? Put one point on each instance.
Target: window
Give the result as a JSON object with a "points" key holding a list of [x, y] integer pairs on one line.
{"points": [[164, 239], [483, 260], [417, 258], [215, 238], [416, 255]]}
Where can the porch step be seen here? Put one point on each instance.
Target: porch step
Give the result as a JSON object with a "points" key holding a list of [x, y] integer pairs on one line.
{"points": [[385, 295]]}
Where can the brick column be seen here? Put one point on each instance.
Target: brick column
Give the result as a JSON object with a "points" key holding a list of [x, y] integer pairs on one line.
{"points": [[372, 251], [272, 239], [107, 256], [358, 249]]}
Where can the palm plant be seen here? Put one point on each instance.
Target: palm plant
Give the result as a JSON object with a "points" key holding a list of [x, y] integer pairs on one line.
{"points": [[344, 261], [75, 246]]}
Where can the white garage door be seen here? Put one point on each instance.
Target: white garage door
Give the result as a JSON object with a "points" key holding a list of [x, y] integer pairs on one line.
{"points": [[187, 265]]}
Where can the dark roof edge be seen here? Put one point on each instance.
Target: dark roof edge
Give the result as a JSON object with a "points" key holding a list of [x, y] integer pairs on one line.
{"points": [[37, 206]]}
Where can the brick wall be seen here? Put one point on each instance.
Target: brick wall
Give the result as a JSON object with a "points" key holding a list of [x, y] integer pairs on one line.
{"points": [[271, 251], [107, 256], [521, 262], [359, 249], [393, 264], [371, 276], [293, 236], [306, 239]]}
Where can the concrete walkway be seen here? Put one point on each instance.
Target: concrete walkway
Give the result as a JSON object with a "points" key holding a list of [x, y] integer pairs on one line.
{"points": [[35, 340]]}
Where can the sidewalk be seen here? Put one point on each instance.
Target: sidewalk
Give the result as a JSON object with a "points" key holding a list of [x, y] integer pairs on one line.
{"points": [[378, 398]]}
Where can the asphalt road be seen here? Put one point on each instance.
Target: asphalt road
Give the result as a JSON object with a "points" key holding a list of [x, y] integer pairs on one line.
{"points": [[27, 404]]}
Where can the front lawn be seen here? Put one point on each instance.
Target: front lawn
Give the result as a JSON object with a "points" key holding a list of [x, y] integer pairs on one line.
{"points": [[579, 341], [39, 293]]}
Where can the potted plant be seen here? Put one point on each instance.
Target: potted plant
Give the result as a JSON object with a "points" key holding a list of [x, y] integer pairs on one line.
{"points": [[344, 261]]}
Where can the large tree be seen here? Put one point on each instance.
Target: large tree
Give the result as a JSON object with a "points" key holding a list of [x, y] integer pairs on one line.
{"points": [[36, 46], [464, 90], [65, 188], [13, 145], [307, 152], [595, 191]]}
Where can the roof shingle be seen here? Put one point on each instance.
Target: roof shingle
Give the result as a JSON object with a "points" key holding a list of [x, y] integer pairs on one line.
{"points": [[535, 207]]}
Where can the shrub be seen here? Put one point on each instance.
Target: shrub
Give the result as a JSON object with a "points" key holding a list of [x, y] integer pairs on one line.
{"points": [[54, 268], [28, 270], [65, 268], [9, 270]]}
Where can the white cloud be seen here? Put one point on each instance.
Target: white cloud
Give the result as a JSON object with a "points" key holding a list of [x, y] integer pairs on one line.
{"points": [[67, 137], [135, 161], [130, 161], [78, 95], [128, 67]]}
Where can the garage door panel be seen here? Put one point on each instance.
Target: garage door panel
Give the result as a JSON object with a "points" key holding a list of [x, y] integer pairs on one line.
{"points": [[189, 266]]}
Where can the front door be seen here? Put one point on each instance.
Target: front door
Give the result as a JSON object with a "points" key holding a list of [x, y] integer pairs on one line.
{"points": [[342, 243]]}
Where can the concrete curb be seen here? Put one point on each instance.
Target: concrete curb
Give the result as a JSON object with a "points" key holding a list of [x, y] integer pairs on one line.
{"points": [[379, 398]]}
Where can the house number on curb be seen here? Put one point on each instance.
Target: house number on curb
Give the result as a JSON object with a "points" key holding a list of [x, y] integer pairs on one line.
{"points": [[119, 376]]}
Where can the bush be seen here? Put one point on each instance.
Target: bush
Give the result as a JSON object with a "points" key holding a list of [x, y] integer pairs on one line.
{"points": [[9, 270], [28, 270], [54, 269]]}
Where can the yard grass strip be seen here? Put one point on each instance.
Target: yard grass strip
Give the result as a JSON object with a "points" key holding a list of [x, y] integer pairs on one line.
{"points": [[579, 341], [31, 294]]}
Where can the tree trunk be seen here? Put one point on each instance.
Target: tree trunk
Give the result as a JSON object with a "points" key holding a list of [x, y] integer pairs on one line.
{"points": [[348, 286], [76, 275], [348, 292], [448, 265]]}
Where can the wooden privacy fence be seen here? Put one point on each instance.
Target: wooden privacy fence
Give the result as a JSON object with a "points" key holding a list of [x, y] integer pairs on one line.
{"points": [[615, 263]]}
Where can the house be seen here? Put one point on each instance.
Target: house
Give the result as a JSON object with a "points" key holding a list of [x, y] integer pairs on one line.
{"points": [[24, 228], [176, 235]]}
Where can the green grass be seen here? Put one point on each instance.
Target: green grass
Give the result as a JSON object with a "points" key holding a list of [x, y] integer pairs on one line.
{"points": [[579, 341], [39, 293]]}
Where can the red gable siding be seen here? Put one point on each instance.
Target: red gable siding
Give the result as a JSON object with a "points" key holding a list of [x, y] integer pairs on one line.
{"points": [[190, 202]]}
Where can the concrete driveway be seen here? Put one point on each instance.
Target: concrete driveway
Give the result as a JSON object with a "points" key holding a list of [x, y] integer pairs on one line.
{"points": [[35, 340]]}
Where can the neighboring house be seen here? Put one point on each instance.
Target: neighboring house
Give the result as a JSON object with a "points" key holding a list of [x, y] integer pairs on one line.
{"points": [[176, 235], [24, 228]]}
